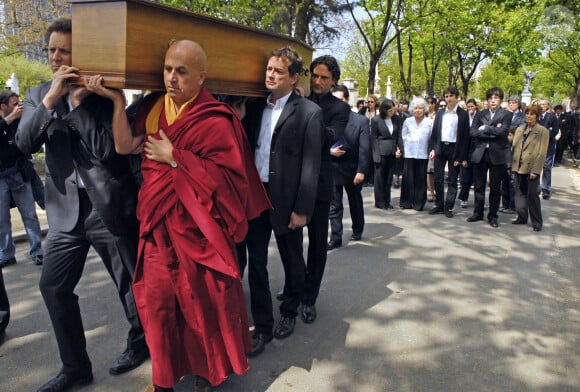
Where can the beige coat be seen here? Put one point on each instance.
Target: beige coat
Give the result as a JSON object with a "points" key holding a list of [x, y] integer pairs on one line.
{"points": [[533, 154]]}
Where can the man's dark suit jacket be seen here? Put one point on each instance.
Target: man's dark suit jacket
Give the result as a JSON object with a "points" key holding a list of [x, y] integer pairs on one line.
{"points": [[494, 133], [335, 117], [384, 142], [81, 140], [551, 123], [463, 138], [358, 155], [295, 155], [518, 118]]}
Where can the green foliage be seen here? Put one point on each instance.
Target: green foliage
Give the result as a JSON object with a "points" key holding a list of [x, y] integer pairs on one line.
{"points": [[312, 21], [29, 73]]}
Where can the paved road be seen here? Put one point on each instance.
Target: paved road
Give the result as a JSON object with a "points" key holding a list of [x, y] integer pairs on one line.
{"points": [[423, 303]]}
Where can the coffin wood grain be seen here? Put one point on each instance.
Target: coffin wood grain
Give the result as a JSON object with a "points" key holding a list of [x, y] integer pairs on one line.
{"points": [[125, 42]]}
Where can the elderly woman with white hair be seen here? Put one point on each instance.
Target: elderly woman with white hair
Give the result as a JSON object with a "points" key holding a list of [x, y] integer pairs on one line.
{"points": [[416, 132]]}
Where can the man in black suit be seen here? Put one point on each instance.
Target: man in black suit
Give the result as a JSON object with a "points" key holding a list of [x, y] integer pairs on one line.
{"points": [[350, 162], [324, 74], [489, 133], [550, 122], [449, 145], [507, 182], [286, 133], [91, 198]]}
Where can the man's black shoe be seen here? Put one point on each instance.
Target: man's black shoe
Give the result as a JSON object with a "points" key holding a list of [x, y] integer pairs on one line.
{"points": [[64, 381], [519, 221], [7, 262], [280, 295], [537, 227], [449, 214], [493, 222], [355, 237], [308, 313], [259, 341], [129, 360], [333, 245], [285, 327], [474, 218], [436, 210], [545, 195]]}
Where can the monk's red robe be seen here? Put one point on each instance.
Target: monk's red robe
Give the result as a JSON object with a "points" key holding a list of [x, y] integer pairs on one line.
{"points": [[187, 284]]}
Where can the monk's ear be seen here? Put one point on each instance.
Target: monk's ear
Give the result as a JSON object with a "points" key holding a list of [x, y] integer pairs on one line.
{"points": [[202, 76]]}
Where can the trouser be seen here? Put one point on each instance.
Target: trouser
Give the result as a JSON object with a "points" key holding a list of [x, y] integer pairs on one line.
{"points": [[384, 180], [507, 191], [527, 199], [290, 249], [13, 185], [480, 181], [445, 157], [466, 182], [65, 256], [546, 183], [414, 184], [4, 305], [317, 250], [355, 202]]}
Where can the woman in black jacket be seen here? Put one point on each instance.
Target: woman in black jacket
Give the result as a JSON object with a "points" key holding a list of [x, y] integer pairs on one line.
{"points": [[387, 145]]}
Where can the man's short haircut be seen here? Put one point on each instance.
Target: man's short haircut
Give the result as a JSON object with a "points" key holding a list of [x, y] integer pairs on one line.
{"points": [[296, 65], [494, 91], [386, 105], [330, 63], [559, 107], [6, 95], [451, 90], [342, 88], [60, 25], [534, 109], [514, 98]]}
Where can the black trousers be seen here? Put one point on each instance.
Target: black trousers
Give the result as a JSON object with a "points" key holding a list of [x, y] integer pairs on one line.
{"points": [[496, 173], [466, 181], [507, 191], [414, 184], [317, 250], [4, 305], [355, 203], [291, 254], [527, 199], [445, 157], [383, 181], [64, 259]]}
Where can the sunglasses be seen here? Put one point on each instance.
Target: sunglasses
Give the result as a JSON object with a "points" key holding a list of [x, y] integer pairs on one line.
{"points": [[442, 106], [370, 101]]}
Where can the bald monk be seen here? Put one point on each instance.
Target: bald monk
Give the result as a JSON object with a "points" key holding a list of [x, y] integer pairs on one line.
{"points": [[200, 187]]}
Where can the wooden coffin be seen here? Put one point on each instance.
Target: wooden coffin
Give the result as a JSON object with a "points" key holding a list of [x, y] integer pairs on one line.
{"points": [[125, 42]]}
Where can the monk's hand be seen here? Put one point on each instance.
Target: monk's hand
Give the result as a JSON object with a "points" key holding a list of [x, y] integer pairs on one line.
{"points": [[95, 85], [159, 150], [297, 221]]}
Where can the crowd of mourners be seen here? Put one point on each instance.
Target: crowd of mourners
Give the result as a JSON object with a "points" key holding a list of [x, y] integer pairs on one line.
{"points": [[179, 195]]}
